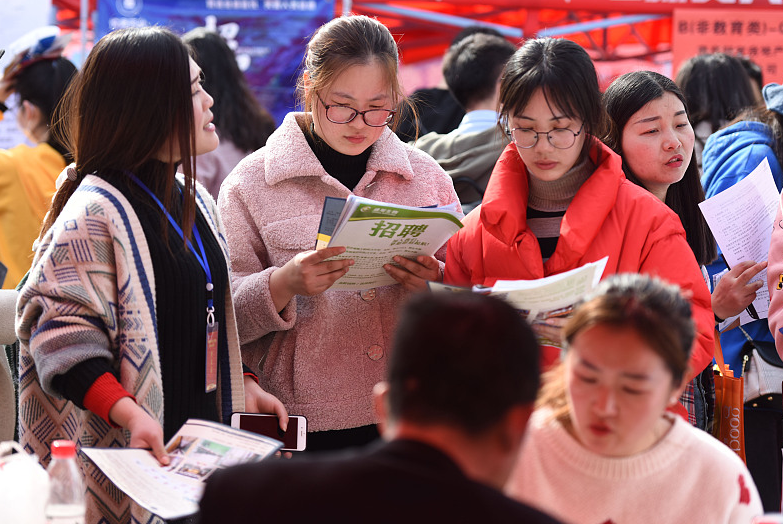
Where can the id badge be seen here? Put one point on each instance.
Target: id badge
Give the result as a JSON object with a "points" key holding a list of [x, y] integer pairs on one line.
{"points": [[210, 379]]}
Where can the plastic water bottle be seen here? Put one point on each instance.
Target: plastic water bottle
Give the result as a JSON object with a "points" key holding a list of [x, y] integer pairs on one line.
{"points": [[66, 489]]}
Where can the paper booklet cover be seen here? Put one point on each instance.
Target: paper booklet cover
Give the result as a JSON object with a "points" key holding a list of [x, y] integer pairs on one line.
{"points": [[373, 232]]}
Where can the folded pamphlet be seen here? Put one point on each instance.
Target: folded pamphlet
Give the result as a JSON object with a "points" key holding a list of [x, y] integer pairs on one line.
{"points": [[543, 298]]}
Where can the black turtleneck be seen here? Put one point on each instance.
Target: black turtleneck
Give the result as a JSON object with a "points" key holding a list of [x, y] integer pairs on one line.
{"points": [[348, 169]]}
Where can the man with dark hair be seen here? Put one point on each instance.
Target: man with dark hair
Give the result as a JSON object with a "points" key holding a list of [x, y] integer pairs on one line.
{"points": [[472, 70], [436, 108], [462, 380]]}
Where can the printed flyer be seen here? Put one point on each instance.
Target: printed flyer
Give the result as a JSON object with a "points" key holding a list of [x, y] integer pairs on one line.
{"points": [[197, 450]]}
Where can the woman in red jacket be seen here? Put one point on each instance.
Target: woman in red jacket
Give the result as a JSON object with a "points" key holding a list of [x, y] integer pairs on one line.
{"points": [[557, 198]]}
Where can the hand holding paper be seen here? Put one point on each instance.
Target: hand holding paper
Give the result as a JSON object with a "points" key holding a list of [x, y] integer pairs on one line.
{"points": [[735, 291], [414, 274], [308, 273]]}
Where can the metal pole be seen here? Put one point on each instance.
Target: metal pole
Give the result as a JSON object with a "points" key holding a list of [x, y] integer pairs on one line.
{"points": [[83, 14]]}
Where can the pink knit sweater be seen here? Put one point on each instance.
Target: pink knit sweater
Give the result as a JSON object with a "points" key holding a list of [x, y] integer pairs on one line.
{"points": [[321, 355], [687, 477]]}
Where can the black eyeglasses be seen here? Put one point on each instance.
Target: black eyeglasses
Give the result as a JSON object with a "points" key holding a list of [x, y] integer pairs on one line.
{"points": [[338, 114], [561, 138]]}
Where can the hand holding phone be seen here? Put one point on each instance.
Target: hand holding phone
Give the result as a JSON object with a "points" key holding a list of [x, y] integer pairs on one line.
{"points": [[294, 438]]}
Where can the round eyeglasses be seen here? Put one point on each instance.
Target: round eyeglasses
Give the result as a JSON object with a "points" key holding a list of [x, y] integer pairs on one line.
{"points": [[338, 114], [560, 138]]}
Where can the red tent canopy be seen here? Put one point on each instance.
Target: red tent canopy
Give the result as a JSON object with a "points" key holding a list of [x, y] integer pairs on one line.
{"points": [[67, 16], [610, 30], [421, 39]]}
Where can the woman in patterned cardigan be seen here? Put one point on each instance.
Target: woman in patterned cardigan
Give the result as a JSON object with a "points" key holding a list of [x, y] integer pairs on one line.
{"points": [[131, 275]]}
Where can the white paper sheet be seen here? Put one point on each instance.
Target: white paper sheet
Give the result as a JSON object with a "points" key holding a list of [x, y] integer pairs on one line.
{"points": [[741, 219]]}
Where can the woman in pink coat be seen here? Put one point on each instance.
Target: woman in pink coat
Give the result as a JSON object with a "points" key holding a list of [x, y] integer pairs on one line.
{"points": [[319, 350]]}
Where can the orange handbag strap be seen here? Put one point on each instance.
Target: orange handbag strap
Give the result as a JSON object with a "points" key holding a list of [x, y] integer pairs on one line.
{"points": [[724, 369]]}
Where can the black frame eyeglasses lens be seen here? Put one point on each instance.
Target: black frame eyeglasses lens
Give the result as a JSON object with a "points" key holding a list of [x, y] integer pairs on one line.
{"points": [[561, 138], [338, 114]]}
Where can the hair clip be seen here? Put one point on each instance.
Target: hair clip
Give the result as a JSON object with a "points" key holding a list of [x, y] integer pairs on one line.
{"points": [[69, 173]]}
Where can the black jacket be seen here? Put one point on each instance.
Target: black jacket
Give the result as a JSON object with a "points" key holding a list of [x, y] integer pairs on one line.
{"points": [[399, 481]]}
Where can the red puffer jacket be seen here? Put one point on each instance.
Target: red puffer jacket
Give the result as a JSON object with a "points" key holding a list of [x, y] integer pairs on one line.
{"points": [[610, 216]]}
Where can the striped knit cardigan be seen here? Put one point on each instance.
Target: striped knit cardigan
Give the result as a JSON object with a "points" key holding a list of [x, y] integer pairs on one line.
{"points": [[91, 293]]}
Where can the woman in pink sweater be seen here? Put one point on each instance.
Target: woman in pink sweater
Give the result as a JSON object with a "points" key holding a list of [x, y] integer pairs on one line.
{"points": [[601, 446], [319, 350]]}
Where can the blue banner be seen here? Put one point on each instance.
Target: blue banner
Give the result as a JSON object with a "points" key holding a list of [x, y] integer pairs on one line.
{"points": [[268, 36]]}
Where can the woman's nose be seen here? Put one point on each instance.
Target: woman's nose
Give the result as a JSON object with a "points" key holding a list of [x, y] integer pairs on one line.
{"points": [[358, 122], [606, 402], [542, 142], [671, 140]]}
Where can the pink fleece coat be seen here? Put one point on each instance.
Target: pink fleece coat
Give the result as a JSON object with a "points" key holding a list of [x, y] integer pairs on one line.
{"points": [[321, 355], [775, 279]]}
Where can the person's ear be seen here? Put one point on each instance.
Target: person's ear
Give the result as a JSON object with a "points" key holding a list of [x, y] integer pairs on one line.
{"points": [[32, 114], [306, 83], [29, 118], [678, 389], [380, 394], [515, 425]]}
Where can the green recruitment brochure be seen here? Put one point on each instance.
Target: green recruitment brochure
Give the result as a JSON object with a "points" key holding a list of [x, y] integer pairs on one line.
{"points": [[374, 232]]}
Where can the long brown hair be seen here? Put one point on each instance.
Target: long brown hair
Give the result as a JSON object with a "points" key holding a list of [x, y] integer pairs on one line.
{"points": [[237, 114], [131, 99]]}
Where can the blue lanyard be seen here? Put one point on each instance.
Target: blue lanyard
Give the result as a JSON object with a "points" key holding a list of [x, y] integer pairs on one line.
{"points": [[200, 255]]}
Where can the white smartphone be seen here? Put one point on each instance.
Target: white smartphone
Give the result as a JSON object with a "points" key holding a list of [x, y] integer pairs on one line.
{"points": [[293, 439]]}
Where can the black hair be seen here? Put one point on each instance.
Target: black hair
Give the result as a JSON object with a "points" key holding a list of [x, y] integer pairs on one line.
{"points": [[716, 88], [657, 311], [565, 73], [238, 115], [43, 84], [473, 66], [753, 70], [461, 359], [623, 98], [474, 30]]}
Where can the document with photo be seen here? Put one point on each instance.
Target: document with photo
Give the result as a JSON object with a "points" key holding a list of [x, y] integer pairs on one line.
{"points": [[197, 450]]}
